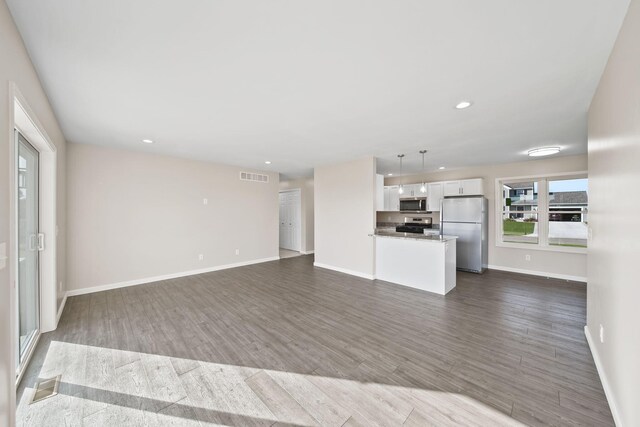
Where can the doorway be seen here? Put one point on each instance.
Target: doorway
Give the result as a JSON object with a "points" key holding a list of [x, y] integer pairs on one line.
{"points": [[290, 222], [30, 242], [37, 296]]}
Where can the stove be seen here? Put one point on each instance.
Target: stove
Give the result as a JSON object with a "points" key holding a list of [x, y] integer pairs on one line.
{"points": [[414, 225]]}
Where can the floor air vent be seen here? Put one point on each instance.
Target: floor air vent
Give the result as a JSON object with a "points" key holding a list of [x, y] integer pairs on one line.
{"points": [[45, 389], [257, 177]]}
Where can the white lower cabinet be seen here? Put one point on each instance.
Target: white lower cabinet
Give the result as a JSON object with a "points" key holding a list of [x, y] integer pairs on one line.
{"points": [[429, 265]]}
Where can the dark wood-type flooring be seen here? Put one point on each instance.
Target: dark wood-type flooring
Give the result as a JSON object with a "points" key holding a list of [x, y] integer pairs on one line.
{"points": [[286, 343]]}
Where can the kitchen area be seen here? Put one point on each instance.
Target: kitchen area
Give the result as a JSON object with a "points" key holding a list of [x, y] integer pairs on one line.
{"points": [[426, 231]]}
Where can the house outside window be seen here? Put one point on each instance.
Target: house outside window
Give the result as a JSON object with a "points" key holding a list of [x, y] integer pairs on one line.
{"points": [[543, 212]]}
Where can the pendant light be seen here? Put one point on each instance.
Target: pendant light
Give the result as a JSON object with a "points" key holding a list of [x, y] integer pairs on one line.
{"points": [[423, 187], [401, 190]]}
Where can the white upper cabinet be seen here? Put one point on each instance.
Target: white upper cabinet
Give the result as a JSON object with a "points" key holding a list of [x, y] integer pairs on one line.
{"points": [[435, 191], [472, 187], [451, 188], [380, 196], [392, 198], [412, 190], [407, 190], [466, 187]]}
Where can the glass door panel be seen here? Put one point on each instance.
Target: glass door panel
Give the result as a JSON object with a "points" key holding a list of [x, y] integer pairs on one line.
{"points": [[28, 292]]}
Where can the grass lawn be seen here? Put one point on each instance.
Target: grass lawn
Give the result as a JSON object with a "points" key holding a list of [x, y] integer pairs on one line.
{"points": [[515, 228]]}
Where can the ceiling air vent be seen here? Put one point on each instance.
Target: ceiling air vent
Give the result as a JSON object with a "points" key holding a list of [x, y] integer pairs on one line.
{"points": [[257, 177]]}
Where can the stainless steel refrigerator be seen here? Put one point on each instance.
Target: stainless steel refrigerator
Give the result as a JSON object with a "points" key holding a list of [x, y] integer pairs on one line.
{"points": [[466, 217]]}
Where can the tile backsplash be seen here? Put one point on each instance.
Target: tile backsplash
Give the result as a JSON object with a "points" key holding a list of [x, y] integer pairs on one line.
{"points": [[398, 217]]}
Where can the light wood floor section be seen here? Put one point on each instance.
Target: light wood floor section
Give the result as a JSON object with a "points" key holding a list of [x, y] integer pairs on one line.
{"points": [[289, 344]]}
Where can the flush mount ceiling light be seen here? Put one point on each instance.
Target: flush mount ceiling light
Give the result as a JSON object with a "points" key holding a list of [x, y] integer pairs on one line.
{"points": [[147, 141], [543, 151], [267, 162], [441, 167], [464, 104], [389, 174], [401, 189]]}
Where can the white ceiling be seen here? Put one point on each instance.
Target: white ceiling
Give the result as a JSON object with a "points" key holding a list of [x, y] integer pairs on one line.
{"points": [[305, 83]]}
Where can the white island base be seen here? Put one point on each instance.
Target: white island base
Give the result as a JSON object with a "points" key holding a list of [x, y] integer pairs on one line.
{"points": [[421, 263]]}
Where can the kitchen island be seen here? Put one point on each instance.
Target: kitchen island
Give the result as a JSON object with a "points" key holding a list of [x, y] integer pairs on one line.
{"points": [[426, 262]]}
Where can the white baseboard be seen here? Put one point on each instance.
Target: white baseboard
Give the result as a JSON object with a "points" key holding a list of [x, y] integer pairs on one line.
{"points": [[603, 378], [345, 271], [61, 309], [307, 252], [539, 273], [101, 288]]}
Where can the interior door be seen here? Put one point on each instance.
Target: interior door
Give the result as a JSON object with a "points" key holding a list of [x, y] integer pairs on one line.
{"points": [[290, 220], [283, 228], [288, 225], [29, 244]]}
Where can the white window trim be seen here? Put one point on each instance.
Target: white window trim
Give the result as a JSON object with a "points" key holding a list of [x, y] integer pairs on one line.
{"points": [[543, 193]]}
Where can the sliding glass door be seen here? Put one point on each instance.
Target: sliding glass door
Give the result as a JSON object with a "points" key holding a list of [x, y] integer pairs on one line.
{"points": [[29, 245]]}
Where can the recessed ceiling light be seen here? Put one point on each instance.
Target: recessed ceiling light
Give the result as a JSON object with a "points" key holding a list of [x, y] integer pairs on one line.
{"points": [[441, 167], [543, 151], [147, 141], [267, 162], [463, 104], [389, 174]]}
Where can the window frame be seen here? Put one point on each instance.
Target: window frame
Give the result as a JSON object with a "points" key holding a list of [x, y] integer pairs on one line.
{"points": [[542, 212]]}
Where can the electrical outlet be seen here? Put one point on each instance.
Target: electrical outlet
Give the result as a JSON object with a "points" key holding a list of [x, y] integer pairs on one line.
{"points": [[601, 334], [237, 251], [205, 201], [200, 257], [527, 257]]}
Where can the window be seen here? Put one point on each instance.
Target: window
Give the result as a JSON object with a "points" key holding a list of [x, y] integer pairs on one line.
{"points": [[568, 201], [544, 213], [520, 212]]}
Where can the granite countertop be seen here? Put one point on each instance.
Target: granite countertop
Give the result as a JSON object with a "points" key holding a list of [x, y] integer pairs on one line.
{"points": [[391, 232]]}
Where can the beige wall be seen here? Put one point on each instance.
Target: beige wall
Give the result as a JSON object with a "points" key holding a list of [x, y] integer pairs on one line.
{"points": [[134, 215], [613, 292], [345, 216], [307, 196], [16, 66], [542, 262]]}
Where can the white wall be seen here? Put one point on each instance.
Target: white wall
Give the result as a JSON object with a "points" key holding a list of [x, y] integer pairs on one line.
{"points": [[345, 216], [16, 66], [307, 200], [558, 264], [134, 215], [613, 291]]}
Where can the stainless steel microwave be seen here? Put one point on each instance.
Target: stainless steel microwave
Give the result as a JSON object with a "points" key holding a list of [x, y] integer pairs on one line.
{"points": [[413, 204]]}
